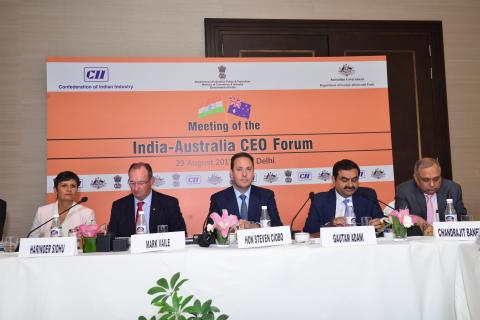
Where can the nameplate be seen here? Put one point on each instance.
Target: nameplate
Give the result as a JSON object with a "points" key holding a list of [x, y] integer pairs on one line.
{"points": [[48, 247], [347, 236], [467, 230], [157, 241], [263, 237]]}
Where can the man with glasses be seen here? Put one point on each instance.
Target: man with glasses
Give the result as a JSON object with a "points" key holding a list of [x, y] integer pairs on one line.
{"points": [[426, 194], [328, 208], [158, 208]]}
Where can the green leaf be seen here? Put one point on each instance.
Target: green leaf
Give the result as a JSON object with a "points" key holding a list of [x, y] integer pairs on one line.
{"points": [[153, 318], [167, 308], [174, 279], [142, 318], [154, 290], [186, 301], [198, 306], [182, 318], [158, 298], [175, 300], [214, 309], [206, 306], [222, 317], [179, 284], [191, 310], [162, 282], [165, 317]]}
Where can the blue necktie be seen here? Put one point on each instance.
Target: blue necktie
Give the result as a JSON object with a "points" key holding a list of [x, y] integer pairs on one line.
{"points": [[243, 208], [346, 201]]}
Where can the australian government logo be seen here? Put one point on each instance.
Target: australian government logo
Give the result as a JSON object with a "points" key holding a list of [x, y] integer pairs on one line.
{"points": [[346, 70], [378, 173], [214, 179], [159, 181], [98, 183], [324, 175], [270, 177]]}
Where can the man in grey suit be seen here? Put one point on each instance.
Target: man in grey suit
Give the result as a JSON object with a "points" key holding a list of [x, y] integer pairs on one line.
{"points": [[427, 193]]}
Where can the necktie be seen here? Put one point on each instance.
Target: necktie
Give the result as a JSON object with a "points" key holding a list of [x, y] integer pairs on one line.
{"points": [[243, 208], [139, 208], [430, 211], [345, 202]]}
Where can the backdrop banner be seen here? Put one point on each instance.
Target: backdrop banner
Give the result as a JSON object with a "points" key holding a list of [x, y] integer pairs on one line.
{"points": [[186, 117]]}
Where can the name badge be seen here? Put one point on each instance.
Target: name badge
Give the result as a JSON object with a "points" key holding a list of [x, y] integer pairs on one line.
{"points": [[263, 237], [467, 230], [347, 236], [157, 241], [48, 247]]}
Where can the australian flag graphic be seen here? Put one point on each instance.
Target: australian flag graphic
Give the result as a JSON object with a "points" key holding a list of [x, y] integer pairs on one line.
{"points": [[239, 108]]}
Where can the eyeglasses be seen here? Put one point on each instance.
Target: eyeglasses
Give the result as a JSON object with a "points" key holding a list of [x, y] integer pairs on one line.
{"points": [[137, 183]]}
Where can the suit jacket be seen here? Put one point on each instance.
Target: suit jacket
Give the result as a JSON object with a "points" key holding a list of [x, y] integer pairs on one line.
{"points": [[323, 207], [259, 197], [76, 216], [3, 216], [164, 209], [408, 194]]}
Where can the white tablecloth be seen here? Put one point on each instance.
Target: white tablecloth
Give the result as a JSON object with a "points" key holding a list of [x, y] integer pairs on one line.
{"points": [[417, 279]]}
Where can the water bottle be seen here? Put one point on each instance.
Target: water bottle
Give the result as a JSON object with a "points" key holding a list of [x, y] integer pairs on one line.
{"points": [[450, 213], [141, 227], [265, 218], [350, 219], [56, 228]]}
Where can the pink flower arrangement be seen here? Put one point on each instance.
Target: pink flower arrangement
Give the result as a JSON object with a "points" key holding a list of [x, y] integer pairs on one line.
{"points": [[89, 230], [404, 217], [222, 223]]}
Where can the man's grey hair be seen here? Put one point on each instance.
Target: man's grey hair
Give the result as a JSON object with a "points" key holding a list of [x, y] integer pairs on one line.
{"points": [[425, 163]]}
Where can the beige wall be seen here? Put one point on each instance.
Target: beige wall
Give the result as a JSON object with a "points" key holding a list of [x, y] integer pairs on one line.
{"points": [[32, 30]]}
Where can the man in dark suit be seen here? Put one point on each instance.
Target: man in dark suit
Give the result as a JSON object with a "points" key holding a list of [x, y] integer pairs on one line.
{"points": [[159, 209], [244, 199], [426, 194], [328, 208], [3, 215]]}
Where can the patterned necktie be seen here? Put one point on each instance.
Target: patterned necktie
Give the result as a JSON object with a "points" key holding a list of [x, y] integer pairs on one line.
{"points": [[243, 208], [430, 211], [139, 208]]}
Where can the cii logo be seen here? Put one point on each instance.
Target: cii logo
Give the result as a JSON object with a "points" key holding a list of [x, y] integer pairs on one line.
{"points": [[98, 74], [303, 176], [194, 179]]}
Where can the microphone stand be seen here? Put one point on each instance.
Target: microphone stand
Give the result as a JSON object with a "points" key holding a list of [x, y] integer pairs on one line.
{"points": [[310, 197], [84, 199]]}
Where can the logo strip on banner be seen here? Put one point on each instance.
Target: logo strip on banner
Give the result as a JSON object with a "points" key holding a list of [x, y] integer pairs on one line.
{"points": [[248, 75], [211, 179]]}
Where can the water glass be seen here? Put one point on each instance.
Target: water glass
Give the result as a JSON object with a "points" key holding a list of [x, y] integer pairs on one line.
{"points": [[365, 221], [10, 243], [162, 228]]}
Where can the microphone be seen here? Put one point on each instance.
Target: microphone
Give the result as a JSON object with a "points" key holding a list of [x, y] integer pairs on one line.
{"points": [[363, 195], [310, 197], [205, 239], [83, 199]]}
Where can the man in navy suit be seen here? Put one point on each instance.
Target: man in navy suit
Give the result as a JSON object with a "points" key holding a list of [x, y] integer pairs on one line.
{"points": [[328, 208], [158, 208], [244, 199]]}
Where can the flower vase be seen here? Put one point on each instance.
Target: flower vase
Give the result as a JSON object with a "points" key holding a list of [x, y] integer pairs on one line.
{"points": [[89, 244], [222, 242], [399, 231]]}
